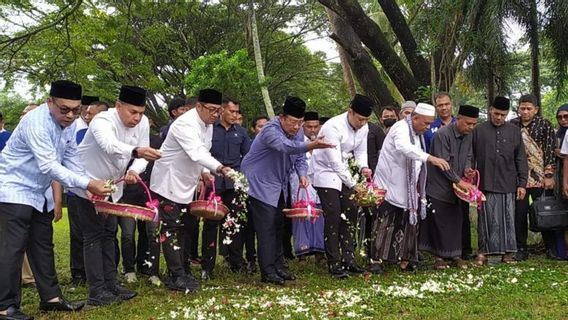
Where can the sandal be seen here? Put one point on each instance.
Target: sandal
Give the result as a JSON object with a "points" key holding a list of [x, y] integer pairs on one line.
{"points": [[440, 264], [480, 260], [508, 258], [459, 263]]}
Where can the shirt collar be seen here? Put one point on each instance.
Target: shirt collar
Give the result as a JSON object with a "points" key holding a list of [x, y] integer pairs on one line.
{"points": [[457, 134], [218, 124]]}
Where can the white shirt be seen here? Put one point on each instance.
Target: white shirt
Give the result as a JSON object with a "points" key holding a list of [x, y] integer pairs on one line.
{"points": [[564, 146], [107, 148], [390, 173], [330, 165], [80, 124], [185, 155]]}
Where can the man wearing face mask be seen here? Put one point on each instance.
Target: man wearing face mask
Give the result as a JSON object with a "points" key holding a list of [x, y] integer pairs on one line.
{"points": [[388, 118], [278, 149]]}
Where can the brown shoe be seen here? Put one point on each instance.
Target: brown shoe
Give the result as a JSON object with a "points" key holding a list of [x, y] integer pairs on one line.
{"points": [[480, 260], [440, 264], [459, 263], [508, 258]]}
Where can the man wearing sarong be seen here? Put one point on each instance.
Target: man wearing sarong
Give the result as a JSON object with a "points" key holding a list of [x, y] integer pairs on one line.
{"points": [[402, 172], [441, 232], [540, 141], [500, 157], [308, 233]]}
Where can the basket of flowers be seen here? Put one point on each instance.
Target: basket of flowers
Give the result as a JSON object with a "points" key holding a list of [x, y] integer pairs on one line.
{"points": [[148, 213], [368, 194], [474, 196], [303, 209], [212, 208]]}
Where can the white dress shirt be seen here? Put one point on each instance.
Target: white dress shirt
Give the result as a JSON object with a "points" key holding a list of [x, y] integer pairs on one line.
{"points": [[107, 148], [80, 124], [185, 155], [330, 165], [390, 173]]}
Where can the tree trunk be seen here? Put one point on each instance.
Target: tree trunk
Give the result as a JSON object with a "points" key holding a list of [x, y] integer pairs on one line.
{"points": [[374, 38], [534, 43], [418, 64], [344, 60], [490, 90], [360, 61], [259, 65]]}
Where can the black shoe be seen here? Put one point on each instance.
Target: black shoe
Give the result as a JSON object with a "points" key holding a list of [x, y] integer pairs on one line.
{"points": [[251, 267], [353, 268], [238, 268], [468, 256], [551, 255], [376, 268], [13, 313], [521, 255], [338, 272], [103, 298], [122, 292], [286, 275], [61, 305], [76, 282], [28, 285], [185, 283], [206, 275], [273, 279]]}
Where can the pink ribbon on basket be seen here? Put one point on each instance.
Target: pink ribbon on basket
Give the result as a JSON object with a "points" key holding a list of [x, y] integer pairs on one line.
{"points": [[307, 204], [151, 203], [213, 197]]}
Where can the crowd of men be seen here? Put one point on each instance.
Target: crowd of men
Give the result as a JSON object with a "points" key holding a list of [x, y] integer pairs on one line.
{"points": [[73, 144]]}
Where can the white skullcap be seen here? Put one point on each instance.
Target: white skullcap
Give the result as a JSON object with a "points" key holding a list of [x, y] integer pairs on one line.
{"points": [[425, 109], [408, 104]]}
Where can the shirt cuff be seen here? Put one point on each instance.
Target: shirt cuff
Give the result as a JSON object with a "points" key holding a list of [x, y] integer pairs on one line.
{"points": [[83, 182]]}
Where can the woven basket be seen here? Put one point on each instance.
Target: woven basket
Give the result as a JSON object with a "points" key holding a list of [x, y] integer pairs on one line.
{"points": [[474, 197], [128, 210], [302, 212], [364, 203], [211, 209]]}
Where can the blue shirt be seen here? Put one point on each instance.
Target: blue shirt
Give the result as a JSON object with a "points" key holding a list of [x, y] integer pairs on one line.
{"points": [[39, 151], [4, 136], [434, 126], [229, 146], [270, 160]]}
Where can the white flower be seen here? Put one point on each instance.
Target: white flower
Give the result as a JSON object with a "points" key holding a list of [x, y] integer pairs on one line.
{"points": [[147, 263], [176, 248], [343, 216]]}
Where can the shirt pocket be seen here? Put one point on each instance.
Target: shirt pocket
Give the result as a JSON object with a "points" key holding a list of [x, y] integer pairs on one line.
{"points": [[234, 142]]}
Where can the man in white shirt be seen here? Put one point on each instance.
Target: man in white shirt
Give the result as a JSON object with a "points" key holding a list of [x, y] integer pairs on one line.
{"points": [[113, 138], [185, 158], [334, 182], [402, 172]]}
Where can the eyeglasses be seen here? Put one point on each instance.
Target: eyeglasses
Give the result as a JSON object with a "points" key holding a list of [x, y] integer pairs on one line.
{"points": [[65, 110], [562, 117], [294, 122], [212, 110]]}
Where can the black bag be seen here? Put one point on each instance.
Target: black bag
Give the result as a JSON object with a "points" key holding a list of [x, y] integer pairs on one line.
{"points": [[548, 214]]}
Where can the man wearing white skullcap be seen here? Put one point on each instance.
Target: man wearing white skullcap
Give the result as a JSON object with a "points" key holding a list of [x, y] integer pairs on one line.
{"points": [[402, 172]]}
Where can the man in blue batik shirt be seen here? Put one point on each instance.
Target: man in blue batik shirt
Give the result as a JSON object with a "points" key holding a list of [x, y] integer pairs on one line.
{"points": [[279, 147], [42, 149], [444, 107]]}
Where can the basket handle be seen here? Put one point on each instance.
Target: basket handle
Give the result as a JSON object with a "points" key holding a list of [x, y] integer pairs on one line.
{"points": [[305, 191], [151, 203]]}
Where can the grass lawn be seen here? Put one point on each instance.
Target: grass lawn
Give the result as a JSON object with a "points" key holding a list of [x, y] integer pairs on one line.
{"points": [[536, 289]]}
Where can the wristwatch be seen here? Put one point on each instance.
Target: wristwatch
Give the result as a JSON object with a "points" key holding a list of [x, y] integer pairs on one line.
{"points": [[135, 153]]}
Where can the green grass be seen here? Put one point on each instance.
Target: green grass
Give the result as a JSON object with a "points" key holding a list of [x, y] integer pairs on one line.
{"points": [[536, 289]]}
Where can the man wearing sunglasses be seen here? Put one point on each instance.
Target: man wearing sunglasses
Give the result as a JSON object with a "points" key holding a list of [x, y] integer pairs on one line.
{"points": [[42, 149]]}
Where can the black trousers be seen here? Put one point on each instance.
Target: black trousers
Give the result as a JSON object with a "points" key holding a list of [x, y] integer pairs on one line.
{"points": [[466, 229], [170, 217], [287, 231], [339, 233], [150, 264], [190, 237], [24, 229], [76, 260], [522, 222], [210, 235], [249, 238], [142, 248], [268, 226], [133, 252], [99, 241], [127, 243]]}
